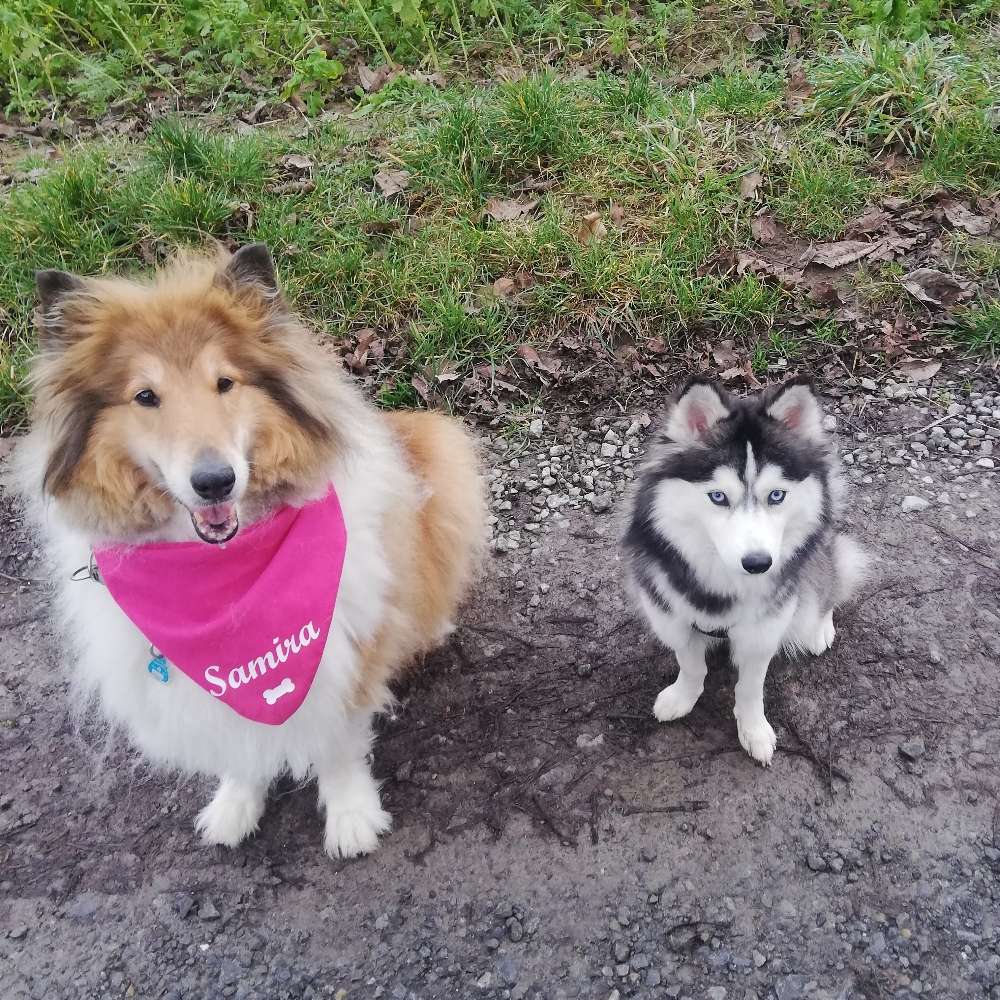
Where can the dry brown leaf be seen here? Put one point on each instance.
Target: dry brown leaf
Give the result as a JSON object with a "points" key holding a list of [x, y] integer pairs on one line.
{"points": [[798, 89], [840, 253], [592, 228], [934, 287], [297, 163], [754, 33], [724, 355], [420, 384], [764, 228], [303, 186], [962, 217], [788, 276], [918, 371], [870, 221], [373, 80], [655, 345], [529, 354], [794, 37], [391, 182], [617, 215], [504, 287], [731, 373], [749, 184], [508, 209]]}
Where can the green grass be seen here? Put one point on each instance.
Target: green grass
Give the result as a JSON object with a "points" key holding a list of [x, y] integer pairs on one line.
{"points": [[651, 117], [978, 327]]}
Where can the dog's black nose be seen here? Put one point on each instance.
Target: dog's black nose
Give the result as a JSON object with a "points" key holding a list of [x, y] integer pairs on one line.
{"points": [[212, 478], [756, 562]]}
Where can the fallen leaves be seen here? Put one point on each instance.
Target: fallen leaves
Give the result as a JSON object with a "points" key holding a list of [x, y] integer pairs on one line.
{"points": [[297, 163], [509, 209], [918, 371], [936, 288], [592, 228], [764, 228], [840, 253], [749, 183], [797, 90], [961, 216], [369, 348], [392, 182], [373, 80], [508, 288]]}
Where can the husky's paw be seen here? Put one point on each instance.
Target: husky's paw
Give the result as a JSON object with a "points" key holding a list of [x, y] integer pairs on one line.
{"points": [[231, 816], [823, 638], [353, 828], [758, 739], [674, 702]]}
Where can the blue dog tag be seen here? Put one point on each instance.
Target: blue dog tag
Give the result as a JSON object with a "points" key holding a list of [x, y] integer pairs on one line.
{"points": [[158, 668]]}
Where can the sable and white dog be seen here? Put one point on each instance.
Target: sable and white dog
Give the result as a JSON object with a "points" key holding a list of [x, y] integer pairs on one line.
{"points": [[732, 535], [186, 409]]}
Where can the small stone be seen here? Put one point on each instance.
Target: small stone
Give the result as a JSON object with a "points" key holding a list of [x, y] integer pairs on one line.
{"points": [[816, 862], [485, 981], [382, 922], [759, 959], [986, 463], [913, 749], [829, 423], [585, 742], [622, 951], [600, 503], [18, 932], [647, 854], [716, 993], [913, 505], [208, 911], [535, 428], [608, 450]]}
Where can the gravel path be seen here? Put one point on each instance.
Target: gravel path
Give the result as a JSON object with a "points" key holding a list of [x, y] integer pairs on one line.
{"points": [[551, 839]]}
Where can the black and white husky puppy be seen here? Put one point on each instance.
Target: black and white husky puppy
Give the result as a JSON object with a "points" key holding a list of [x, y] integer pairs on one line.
{"points": [[732, 535]]}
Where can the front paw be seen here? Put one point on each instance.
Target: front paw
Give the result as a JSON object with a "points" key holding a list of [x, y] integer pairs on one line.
{"points": [[230, 817], [353, 829], [674, 702], [823, 638], [758, 739]]}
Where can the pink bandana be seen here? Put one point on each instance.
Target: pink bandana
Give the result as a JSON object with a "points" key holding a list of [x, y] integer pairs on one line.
{"points": [[248, 620]]}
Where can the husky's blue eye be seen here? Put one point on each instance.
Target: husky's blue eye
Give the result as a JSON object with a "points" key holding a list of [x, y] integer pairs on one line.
{"points": [[719, 498], [147, 398], [776, 496]]}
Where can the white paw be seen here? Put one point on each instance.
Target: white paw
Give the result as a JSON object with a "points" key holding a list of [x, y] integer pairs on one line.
{"points": [[354, 829], [230, 817], [758, 739], [823, 639], [674, 702]]}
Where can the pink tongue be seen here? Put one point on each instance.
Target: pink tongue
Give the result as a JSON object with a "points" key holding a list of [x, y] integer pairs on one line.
{"points": [[217, 514]]}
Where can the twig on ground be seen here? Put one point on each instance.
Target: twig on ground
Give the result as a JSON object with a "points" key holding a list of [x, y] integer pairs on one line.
{"points": [[695, 805]]}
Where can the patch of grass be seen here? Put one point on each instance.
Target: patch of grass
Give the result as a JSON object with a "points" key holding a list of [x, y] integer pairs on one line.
{"points": [[823, 189], [924, 96], [978, 327]]}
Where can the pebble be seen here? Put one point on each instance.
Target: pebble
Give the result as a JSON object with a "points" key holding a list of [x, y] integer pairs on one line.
{"points": [[535, 428], [914, 504], [716, 993], [913, 749]]}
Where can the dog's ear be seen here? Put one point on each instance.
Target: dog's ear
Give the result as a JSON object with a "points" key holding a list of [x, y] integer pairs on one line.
{"points": [[698, 408], [55, 288], [795, 406], [252, 268]]}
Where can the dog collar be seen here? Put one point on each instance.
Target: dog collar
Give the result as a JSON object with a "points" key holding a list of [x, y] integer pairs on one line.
{"points": [[247, 621]]}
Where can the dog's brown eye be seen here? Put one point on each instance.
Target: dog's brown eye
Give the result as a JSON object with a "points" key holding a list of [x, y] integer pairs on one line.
{"points": [[224, 384], [146, 397]]}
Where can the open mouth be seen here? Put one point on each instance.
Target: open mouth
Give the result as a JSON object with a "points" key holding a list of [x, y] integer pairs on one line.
{"points": [[216, 524]]}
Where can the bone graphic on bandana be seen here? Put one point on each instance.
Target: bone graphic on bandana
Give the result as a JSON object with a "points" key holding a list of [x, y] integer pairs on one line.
{"points": [[271, 695]]}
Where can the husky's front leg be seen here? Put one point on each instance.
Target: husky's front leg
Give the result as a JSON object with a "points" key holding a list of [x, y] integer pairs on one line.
{"points": [[752, 648], [349, 795], [677, 699]]}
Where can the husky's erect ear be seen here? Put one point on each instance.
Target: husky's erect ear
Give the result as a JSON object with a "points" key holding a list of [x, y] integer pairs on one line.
{"points": [[699, 407], [252, 269], [794, 405], [54, 289]]}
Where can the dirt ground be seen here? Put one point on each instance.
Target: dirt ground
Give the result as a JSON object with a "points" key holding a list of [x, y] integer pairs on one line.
{"points": [[551, 839]]}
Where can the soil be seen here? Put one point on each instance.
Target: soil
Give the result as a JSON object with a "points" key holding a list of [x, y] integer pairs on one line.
{"points": [[551, 839]]}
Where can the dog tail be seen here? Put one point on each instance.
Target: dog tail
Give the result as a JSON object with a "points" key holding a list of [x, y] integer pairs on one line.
{"points": [[853, 565]]}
